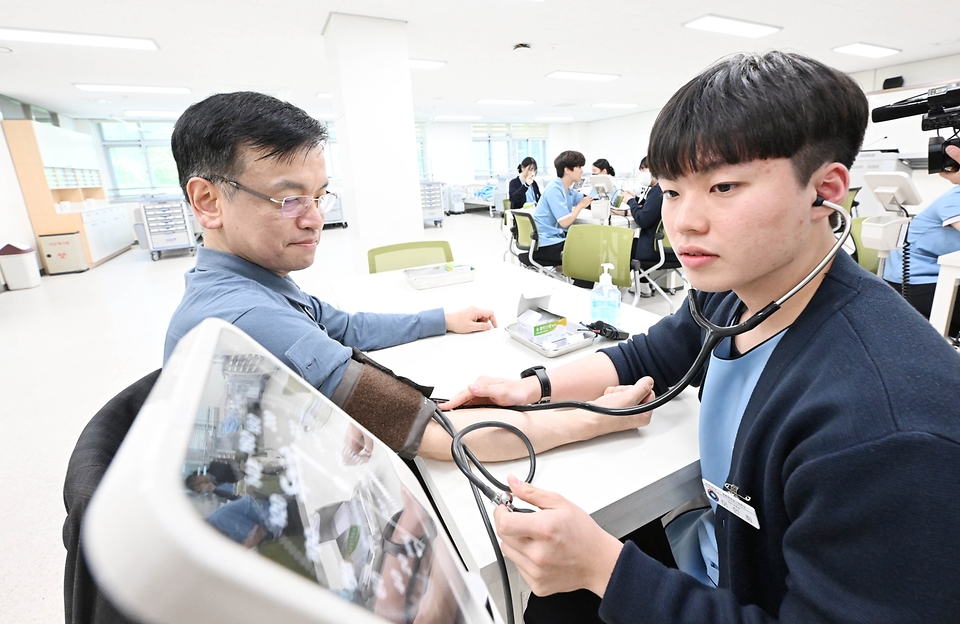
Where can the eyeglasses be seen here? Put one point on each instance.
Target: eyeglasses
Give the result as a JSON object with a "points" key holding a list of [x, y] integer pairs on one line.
{"points": [[293, 206]]}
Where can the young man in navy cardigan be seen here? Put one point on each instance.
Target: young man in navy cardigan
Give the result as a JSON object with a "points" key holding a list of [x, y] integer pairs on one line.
{"points": [[836, 420]]}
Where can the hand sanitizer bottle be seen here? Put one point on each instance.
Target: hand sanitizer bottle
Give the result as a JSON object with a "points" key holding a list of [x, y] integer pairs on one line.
{"points": [[605, 298]]}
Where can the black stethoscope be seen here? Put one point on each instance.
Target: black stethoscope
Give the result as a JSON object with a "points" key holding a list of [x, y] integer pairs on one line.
{"points": [[714, 334], [463, 457]]}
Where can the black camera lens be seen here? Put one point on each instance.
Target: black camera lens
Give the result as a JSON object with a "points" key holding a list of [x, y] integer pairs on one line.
{"points": [[937, 159]]}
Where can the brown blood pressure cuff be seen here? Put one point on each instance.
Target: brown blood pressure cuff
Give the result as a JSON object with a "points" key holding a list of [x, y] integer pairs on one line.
{"points": [[394, 409]]}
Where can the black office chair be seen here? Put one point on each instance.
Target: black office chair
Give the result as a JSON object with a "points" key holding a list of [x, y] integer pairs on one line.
{"points": [[83, 602]]}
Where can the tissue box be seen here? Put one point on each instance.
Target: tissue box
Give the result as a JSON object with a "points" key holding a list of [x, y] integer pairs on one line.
{"points": [[538, 326]]}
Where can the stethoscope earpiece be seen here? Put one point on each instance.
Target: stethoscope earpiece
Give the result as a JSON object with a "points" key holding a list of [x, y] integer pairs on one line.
{"points": [[819, 201]]}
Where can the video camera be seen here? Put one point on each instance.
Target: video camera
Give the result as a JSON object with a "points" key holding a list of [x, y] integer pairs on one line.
{"points": [[940, 108]]}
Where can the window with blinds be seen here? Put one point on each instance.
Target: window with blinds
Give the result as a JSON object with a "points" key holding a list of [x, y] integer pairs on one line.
{"points": [[499, 147]]}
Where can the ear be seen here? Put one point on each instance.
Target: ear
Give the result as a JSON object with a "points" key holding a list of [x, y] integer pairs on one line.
{"points": [[205, 198], [832, 181]]}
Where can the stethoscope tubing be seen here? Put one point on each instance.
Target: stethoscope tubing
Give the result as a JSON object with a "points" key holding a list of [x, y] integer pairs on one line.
{"points": [[713, 335]]}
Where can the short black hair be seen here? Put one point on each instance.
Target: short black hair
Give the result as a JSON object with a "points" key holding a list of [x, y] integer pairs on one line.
{"points": [[526, 162], [209, 136], [603, 163], [568, 160], [643, 163], [757, 107]]}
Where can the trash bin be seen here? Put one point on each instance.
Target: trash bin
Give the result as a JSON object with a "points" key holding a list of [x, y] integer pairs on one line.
{"points": [[19, 267]]}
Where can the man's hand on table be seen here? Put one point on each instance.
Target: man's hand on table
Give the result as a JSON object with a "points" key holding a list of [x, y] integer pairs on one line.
{"points": [[469, 320]]}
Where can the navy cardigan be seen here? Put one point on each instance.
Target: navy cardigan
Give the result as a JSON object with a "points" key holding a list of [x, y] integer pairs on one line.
{"points": [[518, 193], [850, 450]]}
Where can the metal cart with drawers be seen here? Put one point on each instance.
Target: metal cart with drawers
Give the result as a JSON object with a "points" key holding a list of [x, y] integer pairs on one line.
{"points": [[167, 226], [431, 199]]}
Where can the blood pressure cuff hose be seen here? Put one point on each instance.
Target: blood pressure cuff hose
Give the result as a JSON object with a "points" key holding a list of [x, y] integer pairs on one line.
{"points": [[394, 409]]}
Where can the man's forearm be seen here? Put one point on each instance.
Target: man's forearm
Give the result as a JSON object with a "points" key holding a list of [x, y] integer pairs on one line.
{"points": [[546, 430], [581, 380]]}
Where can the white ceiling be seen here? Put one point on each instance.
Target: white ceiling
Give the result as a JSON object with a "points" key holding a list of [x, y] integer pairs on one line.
{"points": [[276, 46]]}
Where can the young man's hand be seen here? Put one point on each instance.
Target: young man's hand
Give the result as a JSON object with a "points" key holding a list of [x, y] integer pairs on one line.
{"points": [[559, 548], [953, 176], [628, 396], [469, 320], [495, 391]]}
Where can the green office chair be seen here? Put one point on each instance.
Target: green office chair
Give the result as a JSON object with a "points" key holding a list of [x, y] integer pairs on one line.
{"points": [[667, 261], [406, 255], [527, 241], [865, 257], [589, 246]]}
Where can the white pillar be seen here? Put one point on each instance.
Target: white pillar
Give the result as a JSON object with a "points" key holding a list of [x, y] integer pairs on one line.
{"points": [[373, 107]]}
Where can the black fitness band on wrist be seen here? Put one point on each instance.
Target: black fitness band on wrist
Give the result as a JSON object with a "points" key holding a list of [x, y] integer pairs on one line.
{"points": [[541, 374]]}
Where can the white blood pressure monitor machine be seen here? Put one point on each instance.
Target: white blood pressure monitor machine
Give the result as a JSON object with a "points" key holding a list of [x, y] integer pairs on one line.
{"points": [[893, 190], [322, 523], [603, 185]]}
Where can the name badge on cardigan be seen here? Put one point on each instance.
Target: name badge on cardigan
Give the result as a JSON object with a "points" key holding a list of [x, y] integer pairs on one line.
{"points": [[732, 503]]}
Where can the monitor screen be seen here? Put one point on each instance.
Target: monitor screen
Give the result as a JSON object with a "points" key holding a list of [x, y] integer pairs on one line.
{"points": [[603, 185]]}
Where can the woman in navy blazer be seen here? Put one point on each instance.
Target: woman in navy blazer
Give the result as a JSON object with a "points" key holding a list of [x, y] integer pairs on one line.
{"points": [[523, 188]]}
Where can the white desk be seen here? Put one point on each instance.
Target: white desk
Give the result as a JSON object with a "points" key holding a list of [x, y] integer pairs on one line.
{"points": [[623, 480], [945, 295], [586, 217]]}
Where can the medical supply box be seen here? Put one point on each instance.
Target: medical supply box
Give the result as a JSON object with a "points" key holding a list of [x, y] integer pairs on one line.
{"points": [[538, 326]]}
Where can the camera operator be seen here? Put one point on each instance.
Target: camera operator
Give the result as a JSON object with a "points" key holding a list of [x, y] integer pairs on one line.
{"points": [[932, 233]]}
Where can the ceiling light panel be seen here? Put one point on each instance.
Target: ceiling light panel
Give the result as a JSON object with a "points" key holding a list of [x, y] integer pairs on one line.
{"points": [[131, 89], [565, 75], [152, 114], [867, 50], [96, 41], [728, 26], [420, 64], [506, 102]]}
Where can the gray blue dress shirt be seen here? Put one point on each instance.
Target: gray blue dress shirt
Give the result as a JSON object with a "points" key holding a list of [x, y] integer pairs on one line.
{"points": [[310, 336]]}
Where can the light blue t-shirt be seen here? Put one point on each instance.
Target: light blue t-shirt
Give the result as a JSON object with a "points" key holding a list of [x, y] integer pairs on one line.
{"points": [[531, 196], [931, 234], [555, 203], [727, 389]]}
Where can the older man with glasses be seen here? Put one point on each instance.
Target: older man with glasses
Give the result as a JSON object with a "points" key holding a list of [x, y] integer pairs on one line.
{"points": [[252, 168], [253, 171]]}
